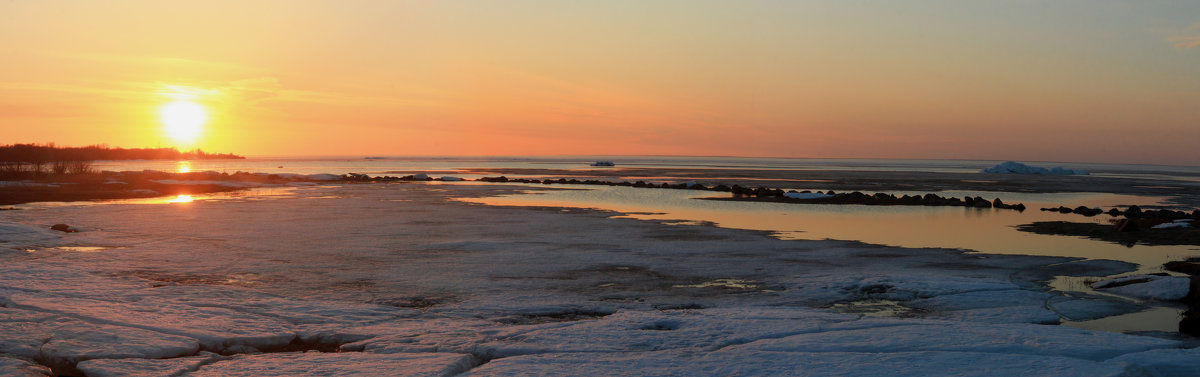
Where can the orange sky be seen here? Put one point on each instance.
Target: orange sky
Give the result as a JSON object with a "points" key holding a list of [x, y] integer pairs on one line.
{"points": [[1029, 80]]}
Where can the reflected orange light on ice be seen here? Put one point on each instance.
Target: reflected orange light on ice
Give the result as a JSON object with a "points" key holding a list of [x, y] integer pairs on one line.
{"points": [[183, 167]]}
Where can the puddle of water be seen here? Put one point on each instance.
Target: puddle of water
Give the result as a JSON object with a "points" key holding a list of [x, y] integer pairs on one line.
{"points": [[986, 230], [1164, 319]]}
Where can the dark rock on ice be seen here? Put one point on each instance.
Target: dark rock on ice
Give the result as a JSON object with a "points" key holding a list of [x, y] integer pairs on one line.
{"points": [[63, 228]]}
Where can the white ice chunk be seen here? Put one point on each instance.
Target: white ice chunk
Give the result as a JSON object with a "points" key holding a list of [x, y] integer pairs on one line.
{"points": [[1177, 224], [1150, 287], [806, 195], [421, 176]]}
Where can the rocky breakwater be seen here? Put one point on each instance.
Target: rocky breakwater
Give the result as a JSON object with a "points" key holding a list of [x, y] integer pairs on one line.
{"points": [[768, 194], [830, 197], [1128, 227]]}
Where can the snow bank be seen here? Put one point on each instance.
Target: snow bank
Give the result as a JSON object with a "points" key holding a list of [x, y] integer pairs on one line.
{"points": [[1012, 167]]}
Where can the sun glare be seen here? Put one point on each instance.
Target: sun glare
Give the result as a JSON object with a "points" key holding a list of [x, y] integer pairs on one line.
{"points": [[184, 120], [182, 199]]}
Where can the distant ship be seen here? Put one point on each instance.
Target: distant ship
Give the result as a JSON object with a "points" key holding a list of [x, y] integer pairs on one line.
{"points": [[603, 163]]}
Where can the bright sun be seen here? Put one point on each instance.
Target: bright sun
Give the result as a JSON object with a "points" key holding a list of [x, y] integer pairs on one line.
{"points": [[184, 120]]}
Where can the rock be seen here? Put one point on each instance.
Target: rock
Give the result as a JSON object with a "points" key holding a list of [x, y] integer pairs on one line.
{"points": [[980, 202], [1190, 324], [1187, 267], [1133, 211], [63, 228]]}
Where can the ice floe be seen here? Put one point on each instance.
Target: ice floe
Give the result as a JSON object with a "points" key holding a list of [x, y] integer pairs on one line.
{"points": [[1149, 287]]}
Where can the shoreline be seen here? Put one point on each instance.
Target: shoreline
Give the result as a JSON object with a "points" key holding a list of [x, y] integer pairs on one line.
{"points": [[133, 185]]}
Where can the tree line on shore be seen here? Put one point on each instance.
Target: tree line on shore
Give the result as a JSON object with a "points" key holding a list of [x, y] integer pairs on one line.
{"points": [[20, 161]]}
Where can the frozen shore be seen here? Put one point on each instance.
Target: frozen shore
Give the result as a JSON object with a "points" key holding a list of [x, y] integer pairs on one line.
{"points": [[403, 281]]}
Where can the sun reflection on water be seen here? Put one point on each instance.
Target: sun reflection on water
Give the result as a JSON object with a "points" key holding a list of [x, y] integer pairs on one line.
{"points": [[183, 167], [182, 199]]}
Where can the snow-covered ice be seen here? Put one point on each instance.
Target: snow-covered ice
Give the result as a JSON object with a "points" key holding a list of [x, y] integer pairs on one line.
{"points": [[1173, 224], [406, 282]]}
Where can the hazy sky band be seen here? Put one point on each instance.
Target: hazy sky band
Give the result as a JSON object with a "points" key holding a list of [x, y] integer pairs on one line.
{"points": [[1024, 80]]}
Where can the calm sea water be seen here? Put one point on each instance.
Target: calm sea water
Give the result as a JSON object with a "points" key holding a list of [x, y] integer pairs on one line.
{"points": [[454, 165]]}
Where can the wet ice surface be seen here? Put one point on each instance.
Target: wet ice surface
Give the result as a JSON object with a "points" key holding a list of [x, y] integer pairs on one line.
{"points": [[405, 282]]}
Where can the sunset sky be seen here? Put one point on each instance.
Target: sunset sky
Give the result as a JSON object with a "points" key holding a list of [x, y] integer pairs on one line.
{"points": [[1061, 80]]}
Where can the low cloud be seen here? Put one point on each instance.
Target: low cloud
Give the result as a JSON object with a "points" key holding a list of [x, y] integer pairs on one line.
{"points": [[1190, 38]]}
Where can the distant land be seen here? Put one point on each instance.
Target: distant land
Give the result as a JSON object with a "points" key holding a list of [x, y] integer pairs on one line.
{"points": [[35, 153]]}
